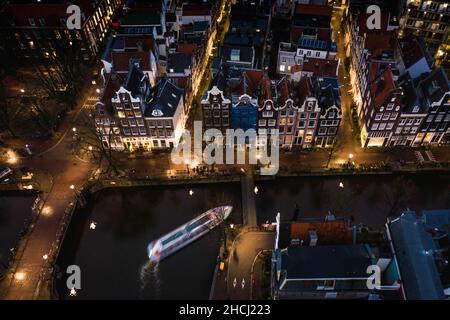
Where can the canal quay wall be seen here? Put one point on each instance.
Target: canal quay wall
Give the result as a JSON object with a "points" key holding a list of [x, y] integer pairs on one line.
{"points": [[45, 287]]}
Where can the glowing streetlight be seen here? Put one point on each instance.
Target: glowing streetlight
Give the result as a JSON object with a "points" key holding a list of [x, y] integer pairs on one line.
{"points": [[231, 225], [74, 129], [45, 256], [256, 190], [22, 90], [93, 225], [90, 148], [341, 185], [12, 157], [97, 90], [47, 211], [73, 292], [191, 192], [72, 187], [93, 82], [20, 276], [350, 156]]}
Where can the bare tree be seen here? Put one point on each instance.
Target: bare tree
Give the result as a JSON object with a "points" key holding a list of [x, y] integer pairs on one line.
{"points": [[397, 195], [100, 137], [61, 73], [5, 112]]}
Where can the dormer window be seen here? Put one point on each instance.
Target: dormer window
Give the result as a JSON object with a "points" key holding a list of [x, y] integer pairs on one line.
{"points": [[235, 55], [157, 113]]}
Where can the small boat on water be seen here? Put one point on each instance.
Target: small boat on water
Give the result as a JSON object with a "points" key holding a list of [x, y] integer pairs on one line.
{"points": [[187, 233]]}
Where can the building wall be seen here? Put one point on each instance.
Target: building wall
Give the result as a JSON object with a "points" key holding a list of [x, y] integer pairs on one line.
{"points": [[36, 38], [430, 20]]}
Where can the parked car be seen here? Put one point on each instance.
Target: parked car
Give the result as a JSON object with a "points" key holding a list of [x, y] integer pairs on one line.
{"points": [[5, 172]]}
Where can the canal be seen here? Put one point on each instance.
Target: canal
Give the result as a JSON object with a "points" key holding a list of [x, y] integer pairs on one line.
{"points": [[15, 213], [368, 199], [112, 257]]}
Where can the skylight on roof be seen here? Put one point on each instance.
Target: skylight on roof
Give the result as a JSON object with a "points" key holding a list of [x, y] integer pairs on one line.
{"points": [[235, 54], [157, 113]]}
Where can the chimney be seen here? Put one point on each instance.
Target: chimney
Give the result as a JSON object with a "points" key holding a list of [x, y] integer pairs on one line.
{"points": [[312, 238], [140, 47]]}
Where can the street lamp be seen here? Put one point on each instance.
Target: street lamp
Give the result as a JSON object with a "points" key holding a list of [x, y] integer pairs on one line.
{"points": [[12, 157], [186, 162], [93, 225], [20, 276], [74, 129], [73, 292], [45, 256], [256, 190], [341, 185], [97, 90], [22, 90], [191, 192], [72, 187], [350, 156]]}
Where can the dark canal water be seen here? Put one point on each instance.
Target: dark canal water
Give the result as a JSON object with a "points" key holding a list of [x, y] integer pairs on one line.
{"points": [[369, 199], [113, 256], [15, 209]]}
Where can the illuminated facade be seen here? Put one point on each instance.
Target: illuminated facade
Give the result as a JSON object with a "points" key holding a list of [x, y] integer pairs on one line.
{"points": [[32, 30], [429, 20]]}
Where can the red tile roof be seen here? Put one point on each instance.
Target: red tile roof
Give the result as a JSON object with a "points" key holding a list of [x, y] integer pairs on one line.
{"points": [[304, 90], [187, 48], [380, 41], [321, 67], [196, 10], [314, 10], [381, 87], [328, 232], [121, 60]]}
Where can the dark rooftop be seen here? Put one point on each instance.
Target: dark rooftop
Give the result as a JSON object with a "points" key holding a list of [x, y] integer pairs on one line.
{"points": [[414, 249], [313, 262], [165, 101], [178, 62]]}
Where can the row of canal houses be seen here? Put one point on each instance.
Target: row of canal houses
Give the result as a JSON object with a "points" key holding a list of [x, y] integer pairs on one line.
{"points": [[152, 67], [402, 98], [304, 105]]}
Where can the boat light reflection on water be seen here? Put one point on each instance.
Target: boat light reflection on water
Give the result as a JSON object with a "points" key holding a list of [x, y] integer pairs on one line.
{"points": [[187, 233]]}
